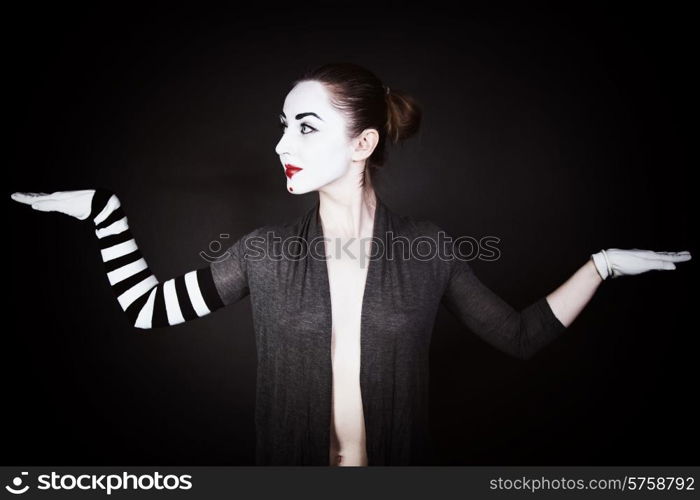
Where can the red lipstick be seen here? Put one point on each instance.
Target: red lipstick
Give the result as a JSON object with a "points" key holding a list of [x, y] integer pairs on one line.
{"points": [[290, 170]]}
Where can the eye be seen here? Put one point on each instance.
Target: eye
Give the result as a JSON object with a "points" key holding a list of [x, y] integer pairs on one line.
{"points": [[306, 125]]}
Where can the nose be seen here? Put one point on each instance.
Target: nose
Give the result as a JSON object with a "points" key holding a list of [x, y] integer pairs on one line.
{"points": [[281, 147]]}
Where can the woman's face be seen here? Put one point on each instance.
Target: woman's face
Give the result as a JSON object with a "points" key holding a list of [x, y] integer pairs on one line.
{"points": [[314, 139]]}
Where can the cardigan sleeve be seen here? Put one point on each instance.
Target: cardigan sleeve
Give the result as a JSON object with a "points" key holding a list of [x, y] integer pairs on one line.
{"points": [[230, 273], [146, 301], [518, 333]]}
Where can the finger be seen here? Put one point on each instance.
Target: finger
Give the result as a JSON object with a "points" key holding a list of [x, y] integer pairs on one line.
{"points": [[28, 198], [663, 265], [48, 206], [645, 254], [673, 256], [21, 198]]}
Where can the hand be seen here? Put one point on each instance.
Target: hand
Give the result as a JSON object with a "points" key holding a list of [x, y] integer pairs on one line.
{"points": [[77, 204], [615, 262]]}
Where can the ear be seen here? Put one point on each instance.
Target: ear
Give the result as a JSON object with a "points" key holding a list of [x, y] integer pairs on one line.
{"points": [[364, 144]]}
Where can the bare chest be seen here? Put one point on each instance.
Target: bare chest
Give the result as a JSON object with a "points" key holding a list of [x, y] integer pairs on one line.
{"points": [[347, 273]]}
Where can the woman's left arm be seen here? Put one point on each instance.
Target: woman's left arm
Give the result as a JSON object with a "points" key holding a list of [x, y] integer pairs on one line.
{"points": [[571, 297], [523, 333]]}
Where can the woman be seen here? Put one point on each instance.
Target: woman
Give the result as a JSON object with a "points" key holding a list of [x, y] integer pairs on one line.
{"points": [[342, 343]]}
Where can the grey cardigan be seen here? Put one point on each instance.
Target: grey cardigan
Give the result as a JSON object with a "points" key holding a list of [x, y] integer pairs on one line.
{"points": [[290, 299]]}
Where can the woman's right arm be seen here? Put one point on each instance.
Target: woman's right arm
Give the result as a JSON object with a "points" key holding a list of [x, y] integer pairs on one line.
{"points": [[147, 302]]}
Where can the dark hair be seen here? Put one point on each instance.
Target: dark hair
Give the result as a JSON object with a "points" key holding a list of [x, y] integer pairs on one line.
{"points": [[368, 103]]}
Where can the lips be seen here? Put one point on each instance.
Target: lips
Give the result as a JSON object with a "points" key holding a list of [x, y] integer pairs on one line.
{"points": [[290, 170]]}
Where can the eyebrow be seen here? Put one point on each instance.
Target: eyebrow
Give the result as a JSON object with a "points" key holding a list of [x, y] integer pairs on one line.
{"points": [[302, 115]]}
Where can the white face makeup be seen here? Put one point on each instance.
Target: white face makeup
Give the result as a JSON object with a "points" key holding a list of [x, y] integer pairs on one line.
{"points": [[314, 139]]}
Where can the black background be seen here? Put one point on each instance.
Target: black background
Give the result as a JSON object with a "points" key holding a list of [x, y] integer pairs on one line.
{"points": [[559, 132]]}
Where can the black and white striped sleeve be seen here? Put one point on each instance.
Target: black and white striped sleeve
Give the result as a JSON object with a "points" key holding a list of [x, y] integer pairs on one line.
{"points": [[147, 302]]}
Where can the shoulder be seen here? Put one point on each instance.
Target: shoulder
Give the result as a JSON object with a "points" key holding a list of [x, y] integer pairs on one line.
{"points": [[429, 238]]}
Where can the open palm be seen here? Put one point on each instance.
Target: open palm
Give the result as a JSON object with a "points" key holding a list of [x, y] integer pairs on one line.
{"points": [[615, 262], [77, 204]]}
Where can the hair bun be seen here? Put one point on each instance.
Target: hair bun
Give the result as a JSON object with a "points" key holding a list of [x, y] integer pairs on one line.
{"points": [[403, 116]]}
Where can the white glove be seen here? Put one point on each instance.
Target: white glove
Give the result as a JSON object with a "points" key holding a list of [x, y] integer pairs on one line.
{"points": [[77, 204], [614, 262]]}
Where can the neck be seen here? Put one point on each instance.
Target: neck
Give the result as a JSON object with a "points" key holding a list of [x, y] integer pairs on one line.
{"points": [[348, 213]]}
